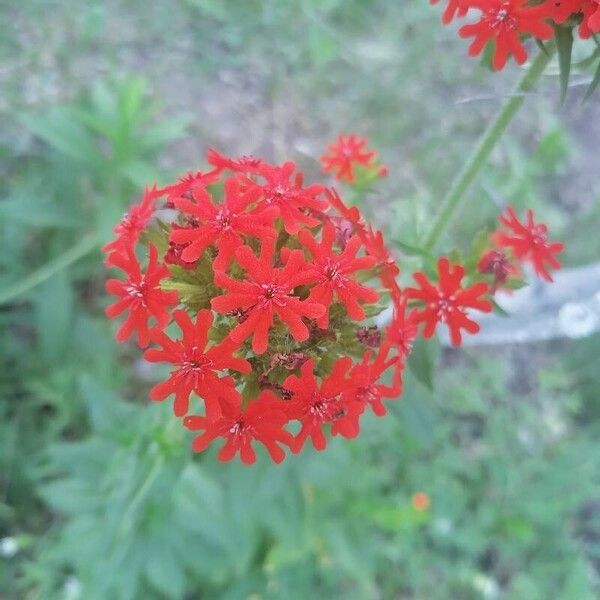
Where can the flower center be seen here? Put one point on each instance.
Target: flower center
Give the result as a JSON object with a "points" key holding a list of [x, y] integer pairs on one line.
{"points": [[444, 306], [366, 394], [223, 220], [539, 235], [236, 428], [137, 291], [501, 17], [271, 293]]}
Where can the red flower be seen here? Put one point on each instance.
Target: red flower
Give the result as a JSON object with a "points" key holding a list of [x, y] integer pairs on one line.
{"points": [[243, 164], [333, 274], [173, 254], [293, 201], [504, 21], [190, 184], [561, 10], [134, 221], [222, 224], [198, 367], [266, 292], [350, 221], [497, 263], [591, 18], [347, 152], [529, 242], [389, 270], [453, 8], [446, 301], [367, 390], [140, 294], [314, 405], [403, 329], [262, 421]]}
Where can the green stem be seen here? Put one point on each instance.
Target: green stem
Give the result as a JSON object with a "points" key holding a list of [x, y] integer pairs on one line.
{"points": [[482, 151], [84, 246]]}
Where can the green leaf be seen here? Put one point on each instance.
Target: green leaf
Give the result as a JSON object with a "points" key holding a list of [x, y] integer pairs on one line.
{"points": [[498, 309], [422, 361], [57, 264], [54, 303], [64, 133], [564, 45], [411, 250]]}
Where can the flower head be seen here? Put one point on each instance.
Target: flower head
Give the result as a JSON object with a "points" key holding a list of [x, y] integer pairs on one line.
{"points": [[345, 154], [284, 190], [140, 295], [317, 405], [367, 390], [270, 283], [333, 274], [446, 301], [504, 22], [134, 221], [529, 242], [197, 368], [266, 292], [222, 225], [262, 421]]}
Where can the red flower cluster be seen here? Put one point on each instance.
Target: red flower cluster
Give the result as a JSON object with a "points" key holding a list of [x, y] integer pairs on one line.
{"points": [[272, 285], [506, 22], [349, 153], [525, 242]]}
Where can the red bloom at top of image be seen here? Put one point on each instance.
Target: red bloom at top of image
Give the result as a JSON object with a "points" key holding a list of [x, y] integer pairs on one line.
{"points": [[197, 368], [222, 224], [139, 294], [529, 242], [345, 154], [261, 421], [267, 292], [446, 300], [134, 221], [453, 8], [504, 21], [284, 189], [332, 274], [316, 405]]}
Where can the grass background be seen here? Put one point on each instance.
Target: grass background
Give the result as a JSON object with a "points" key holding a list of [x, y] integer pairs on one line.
{"points": [[99, 495]]}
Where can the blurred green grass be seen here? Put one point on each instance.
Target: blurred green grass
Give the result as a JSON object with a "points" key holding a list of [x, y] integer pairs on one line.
{"points": [[99, 494]]}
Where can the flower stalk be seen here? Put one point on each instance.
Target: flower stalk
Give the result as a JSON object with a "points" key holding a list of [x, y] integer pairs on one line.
{"points": [[478, 159]]}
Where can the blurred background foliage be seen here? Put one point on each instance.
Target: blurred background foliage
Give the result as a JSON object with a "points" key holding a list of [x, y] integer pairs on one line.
{"points": [[100, 497]]}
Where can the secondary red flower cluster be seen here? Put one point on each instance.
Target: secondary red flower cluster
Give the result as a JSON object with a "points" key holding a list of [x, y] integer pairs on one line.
{"points": [[350, 160], [506, 22], [260, 293], [515, 243]]}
